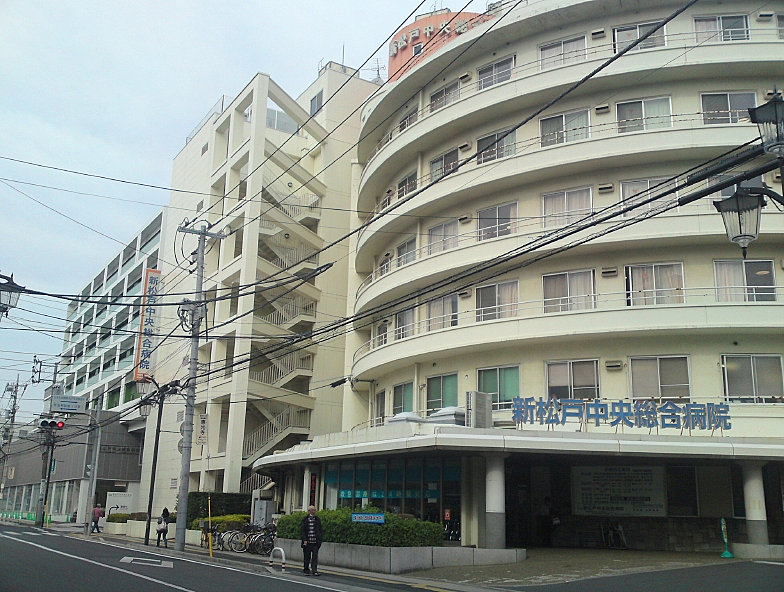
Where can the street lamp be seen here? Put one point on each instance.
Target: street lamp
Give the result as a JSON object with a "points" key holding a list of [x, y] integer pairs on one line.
{"points": [[9, 293], [741, 211], [145, 408]]}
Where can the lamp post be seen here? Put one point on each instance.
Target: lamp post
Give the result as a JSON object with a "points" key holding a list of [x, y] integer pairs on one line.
{"points": [[9, 293], [145, 407], [741, 212]]}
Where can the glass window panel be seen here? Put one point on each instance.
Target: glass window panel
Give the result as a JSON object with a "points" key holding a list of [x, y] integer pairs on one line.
{"points": [[715, 109], [584, 379], [767, 372], [737, 370], [556, 296], [574, 50], [552, 130], [509, 383], [449, 390], [739, 104], [550, 55], [629, 117], [488, 381], [657, 113], [434, 393], [558, 380], [576, 125], [645, 377]]}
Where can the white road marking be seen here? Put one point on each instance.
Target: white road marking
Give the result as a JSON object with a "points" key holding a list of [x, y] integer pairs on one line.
{"points": [[770, 562], [147, 561], [125, 571]]}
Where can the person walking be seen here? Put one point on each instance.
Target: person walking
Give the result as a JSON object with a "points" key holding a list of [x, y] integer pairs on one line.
{"points": [[311, 535], [97, 515], [163, 528]]}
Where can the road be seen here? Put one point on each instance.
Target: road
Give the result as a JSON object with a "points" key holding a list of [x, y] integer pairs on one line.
{"points": [[33, 560]]}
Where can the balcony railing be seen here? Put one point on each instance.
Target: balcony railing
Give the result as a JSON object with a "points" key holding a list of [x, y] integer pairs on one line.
{"points": [[701, 296], [290, 417], [282, 367]]}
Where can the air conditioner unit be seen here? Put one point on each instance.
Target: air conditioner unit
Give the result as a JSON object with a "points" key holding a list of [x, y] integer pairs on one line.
{"points": [[464, 294], [602, 109], [465, 77], [598, 33], [465, 218], [613, 365], [605, 187], [479, 410], [764, 15], [609, 271], [465, 146], [777, 176]]}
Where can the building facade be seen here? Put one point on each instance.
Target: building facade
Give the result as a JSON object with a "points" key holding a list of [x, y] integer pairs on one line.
{"points": [[272, 173], [633, 358]]}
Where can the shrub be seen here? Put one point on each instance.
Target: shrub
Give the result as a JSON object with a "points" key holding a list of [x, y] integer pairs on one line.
{"points": [[397, 531], [118, 518], [222, 504], [224, 523], [137, 516]]}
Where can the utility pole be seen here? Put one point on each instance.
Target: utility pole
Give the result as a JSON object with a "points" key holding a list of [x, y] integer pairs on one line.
{"points": [[93, 468], [196, 315]]}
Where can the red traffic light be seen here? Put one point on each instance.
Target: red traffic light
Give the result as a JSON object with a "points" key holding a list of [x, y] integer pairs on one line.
{"points": [[52, 424]]}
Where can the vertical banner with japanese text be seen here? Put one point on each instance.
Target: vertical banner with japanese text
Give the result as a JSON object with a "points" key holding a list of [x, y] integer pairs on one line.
{"points": [[148, 324]]}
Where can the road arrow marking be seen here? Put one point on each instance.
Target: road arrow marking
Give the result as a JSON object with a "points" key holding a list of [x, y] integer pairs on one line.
{"points": [[145, 561]]}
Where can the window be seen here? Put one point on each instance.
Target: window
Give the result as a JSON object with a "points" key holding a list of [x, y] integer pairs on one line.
{"points": [[780, 22], [500, 71], [666, 377], [442, 313], [682, 492], [727, 191], [381, 335], [407, 185], [503, 383], [566, 207], [441, 392], [381, 407], [497, 221], [745, 280], [445, 96], [573, 380], [657, 283], [624, 36], [385, 264], [416, 49], [443, 164], [408, 120], [572, 290], [491, 148], [631, 189], [647, 114], [403, 398], [406, 252], [404, 323], [567, 127], [562, 53], [498, 301], [317, 102], [752, 378], [731, 107], [442, 237], [721, 28]]}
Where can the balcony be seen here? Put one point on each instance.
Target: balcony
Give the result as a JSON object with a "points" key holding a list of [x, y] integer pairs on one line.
{"points": [[599, 315]]}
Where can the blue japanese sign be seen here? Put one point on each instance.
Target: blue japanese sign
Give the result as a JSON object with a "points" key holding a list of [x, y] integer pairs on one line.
{"points": [[632, 414], [367, 518]]}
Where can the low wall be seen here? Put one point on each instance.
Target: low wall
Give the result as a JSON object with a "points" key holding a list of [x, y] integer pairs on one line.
{"points": [[115, 528], [749, 551], [135, 529], [400, 559]]}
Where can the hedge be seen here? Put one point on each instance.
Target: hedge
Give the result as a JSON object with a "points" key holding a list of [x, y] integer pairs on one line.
{"points": [[397, 531], [222, 504], [224, 523], [118, 517]]}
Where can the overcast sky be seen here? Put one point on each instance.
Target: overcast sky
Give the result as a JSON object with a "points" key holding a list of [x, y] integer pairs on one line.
{"points": [[113, 88]]}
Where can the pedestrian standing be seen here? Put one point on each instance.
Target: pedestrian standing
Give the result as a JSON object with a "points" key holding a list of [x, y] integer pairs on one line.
{"points": [[97, 515], [311, 535], [163, 528]]}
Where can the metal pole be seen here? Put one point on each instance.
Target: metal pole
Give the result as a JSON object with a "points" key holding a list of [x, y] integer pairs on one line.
{"points": [[48, 477], [94, 475], [45, 465], [190, 398], [154, 465]]}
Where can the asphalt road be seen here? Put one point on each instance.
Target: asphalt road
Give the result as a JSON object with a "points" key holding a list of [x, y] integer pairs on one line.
{"points": [[33, 560]]}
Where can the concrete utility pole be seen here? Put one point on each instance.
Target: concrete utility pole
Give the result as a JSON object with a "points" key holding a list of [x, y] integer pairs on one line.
{"points": [[197, 312]]}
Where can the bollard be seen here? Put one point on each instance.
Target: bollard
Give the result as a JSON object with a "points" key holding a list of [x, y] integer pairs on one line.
{"points": [[282, 558]]}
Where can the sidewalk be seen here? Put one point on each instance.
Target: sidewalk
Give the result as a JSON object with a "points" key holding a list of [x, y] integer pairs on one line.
{"points": [[543, 566]]}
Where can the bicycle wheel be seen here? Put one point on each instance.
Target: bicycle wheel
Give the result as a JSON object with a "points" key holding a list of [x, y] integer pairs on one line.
{"points": [[255, 544], [267, 544], [239, 542]]}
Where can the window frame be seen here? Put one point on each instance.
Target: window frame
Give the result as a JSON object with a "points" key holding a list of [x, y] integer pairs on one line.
{"points": [[654, 182], [495, 150], [718, 117], [448, 96], [402, 407], [445, 320], [645, 124], [567, 215], [569, 305], [497, 403], [408, 120], [660, 385], [500, 228], [747, 292], [446, 242], [502, 310], [444, 170], [483, 83], [719, 34], [648, 44], [570, 374], [561, 136], [677, 297], [317, 101], [404, 327], [408, 255], [440, 377], [561, 60], [407, 184], [753, 397]]}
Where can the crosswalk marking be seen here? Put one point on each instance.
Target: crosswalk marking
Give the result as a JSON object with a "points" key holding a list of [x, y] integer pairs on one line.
{"points": [[29, 532]]}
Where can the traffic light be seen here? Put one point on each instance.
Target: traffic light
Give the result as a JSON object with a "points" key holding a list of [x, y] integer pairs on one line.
{"points": [[52, 424]]}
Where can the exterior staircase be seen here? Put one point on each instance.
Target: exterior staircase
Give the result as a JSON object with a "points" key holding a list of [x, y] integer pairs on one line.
{"points": [[291, 421]]}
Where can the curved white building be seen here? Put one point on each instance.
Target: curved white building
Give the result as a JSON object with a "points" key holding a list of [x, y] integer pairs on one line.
{"points": [[661, 346]]}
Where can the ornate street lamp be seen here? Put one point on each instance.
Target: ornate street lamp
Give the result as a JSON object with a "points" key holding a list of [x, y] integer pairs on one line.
{"points": [[9, 293], [741, 212]]}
